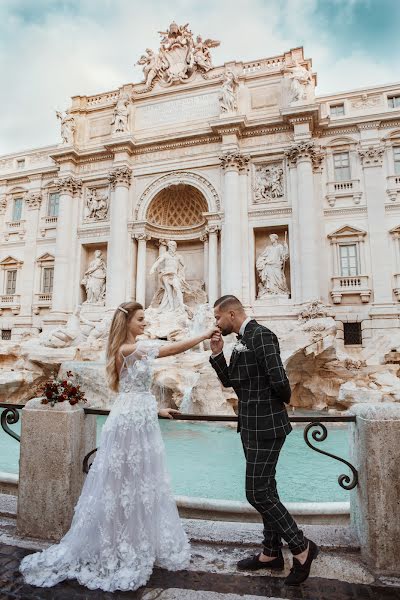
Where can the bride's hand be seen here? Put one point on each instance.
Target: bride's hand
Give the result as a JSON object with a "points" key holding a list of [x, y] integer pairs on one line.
{"points": [[168, 413], [210, 332]]}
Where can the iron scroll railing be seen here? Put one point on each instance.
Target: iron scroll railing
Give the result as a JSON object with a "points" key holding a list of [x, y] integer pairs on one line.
{"points": [[315, 429]]}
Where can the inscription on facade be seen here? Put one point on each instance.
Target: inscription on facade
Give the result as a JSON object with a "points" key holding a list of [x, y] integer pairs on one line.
{"points": [[175, 111]]}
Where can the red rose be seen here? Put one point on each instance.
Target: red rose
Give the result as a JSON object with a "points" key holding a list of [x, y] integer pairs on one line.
{"points": [[64, 383], [45, 401], [73, 391], [48, 394], [73, 401]]}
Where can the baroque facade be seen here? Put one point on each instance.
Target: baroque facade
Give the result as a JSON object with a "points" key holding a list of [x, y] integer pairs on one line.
{"points": [[218, 159]]}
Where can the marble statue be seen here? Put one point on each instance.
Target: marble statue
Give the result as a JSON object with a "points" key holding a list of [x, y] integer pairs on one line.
{"points": [[98, 332], [301, 85], [67, 335], [178, 58], [271, 268], [171, 269], [96, 206], [227, 98], [202, 54], [68, 127], [119, 120], [94, 280], [269, 183]]}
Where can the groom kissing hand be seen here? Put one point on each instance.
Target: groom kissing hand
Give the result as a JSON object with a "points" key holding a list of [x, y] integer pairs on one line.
{"points": [[256, 373]]}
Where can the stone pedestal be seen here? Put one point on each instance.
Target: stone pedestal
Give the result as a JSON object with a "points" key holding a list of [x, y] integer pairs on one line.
{"points": [[54, 442], [375, 502]]}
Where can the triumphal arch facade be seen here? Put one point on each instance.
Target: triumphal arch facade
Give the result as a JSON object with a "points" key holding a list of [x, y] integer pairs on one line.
{"points": [[271, 193]]}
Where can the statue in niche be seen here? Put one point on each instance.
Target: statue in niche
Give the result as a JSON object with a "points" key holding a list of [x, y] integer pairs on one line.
{"points": [[68, 127], [202, 54], [271, 268], [121, 112], [227, 98], [94, 280], [171, 269], [269, 183], [96, 205], [301, 85]]}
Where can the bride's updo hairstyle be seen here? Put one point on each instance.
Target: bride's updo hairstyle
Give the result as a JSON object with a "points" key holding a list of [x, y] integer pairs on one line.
{"points": [[116, 337]]}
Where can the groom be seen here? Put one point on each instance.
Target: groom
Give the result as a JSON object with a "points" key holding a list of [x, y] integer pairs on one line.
{"points": [[257, 375]]}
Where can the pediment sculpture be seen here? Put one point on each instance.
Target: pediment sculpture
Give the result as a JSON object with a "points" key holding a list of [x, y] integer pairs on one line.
{"points": [[178, 57]]}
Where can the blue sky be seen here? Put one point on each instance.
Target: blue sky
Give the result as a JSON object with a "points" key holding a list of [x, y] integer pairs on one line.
{"points": [[51, 50]]}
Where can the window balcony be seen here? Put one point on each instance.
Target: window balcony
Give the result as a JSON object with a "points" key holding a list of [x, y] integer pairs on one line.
{"points": [[42, 300], [11, 301], [338, 189], [396, 287], [393, 187], [47, 223], [17, 227], [350, 286]]}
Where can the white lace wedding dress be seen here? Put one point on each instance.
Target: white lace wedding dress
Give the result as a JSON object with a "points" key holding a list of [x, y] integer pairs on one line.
{"points": [[125, 520]]}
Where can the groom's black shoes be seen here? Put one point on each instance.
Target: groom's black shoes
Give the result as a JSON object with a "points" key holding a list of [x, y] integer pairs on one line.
{"points": [[253, 564], [299, 573]]}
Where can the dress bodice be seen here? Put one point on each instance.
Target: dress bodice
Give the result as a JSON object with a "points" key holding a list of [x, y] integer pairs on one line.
{"points": [[137, 369]]}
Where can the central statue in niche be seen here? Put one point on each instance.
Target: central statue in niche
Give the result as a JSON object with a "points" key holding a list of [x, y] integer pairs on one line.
{"points": [[171, 269]]}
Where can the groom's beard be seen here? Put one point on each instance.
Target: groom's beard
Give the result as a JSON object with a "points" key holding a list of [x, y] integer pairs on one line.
{"points": [[226, 330]]}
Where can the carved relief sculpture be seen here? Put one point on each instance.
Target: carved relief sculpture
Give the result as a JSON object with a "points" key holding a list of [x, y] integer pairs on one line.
{"points": [[301, 85], [271, 268], [227, 97], [269, 183], [178, 57], [96, 205], [94, 280], [121, 113], [68, 127]]}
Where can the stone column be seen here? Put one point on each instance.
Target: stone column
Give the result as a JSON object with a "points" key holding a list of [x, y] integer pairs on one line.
{"points": [[54, 442], [142, 239], [3, 208], [374, 503], [212, 263], [232, 271], [374, 185], [204, 239], [244, 221], [307, 157], [68, 187], [33, 201], [118, 246]]}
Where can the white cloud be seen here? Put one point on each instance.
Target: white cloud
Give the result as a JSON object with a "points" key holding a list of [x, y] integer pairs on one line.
{"points": [[89, 46]]}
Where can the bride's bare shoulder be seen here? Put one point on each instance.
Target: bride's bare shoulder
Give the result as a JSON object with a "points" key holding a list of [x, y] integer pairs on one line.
{"points": [[127, 349]]}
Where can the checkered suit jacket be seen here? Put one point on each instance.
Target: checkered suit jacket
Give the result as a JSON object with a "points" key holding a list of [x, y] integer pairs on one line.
{"points": [[257, 375]]}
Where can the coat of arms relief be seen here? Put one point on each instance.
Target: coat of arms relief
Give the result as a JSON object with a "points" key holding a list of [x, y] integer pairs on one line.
{"points": [[178, 58]]}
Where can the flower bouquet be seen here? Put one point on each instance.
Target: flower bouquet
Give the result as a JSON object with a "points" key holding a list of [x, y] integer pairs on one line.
{"points": [[62, 390]]}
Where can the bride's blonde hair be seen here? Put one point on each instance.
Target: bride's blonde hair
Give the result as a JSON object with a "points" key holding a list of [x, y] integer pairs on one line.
{"points": [[117, 336]]}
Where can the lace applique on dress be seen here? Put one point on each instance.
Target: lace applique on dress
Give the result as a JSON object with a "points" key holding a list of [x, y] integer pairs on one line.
{"points": [[126, 519]]}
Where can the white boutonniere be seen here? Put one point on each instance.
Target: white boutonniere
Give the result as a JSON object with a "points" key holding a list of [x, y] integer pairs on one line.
{"points": [[240, 347]]}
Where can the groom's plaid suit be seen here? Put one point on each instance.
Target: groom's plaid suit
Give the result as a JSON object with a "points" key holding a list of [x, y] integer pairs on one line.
{"points": [[257, 375]]}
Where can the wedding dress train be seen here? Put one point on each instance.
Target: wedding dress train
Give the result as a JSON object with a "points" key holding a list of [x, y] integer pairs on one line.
{"points": [[126, 520]]}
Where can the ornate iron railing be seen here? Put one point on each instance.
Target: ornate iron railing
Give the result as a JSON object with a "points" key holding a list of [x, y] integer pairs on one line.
{"points": [[315, 427]]}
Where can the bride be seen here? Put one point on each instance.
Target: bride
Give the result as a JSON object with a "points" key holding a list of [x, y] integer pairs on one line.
{"points": [[125, 520]]}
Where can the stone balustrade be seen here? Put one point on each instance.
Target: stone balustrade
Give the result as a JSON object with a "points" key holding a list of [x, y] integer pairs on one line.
{"points": [[356, 284], [339, 189]]}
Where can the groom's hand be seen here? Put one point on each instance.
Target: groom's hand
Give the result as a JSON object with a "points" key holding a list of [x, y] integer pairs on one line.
{"points": [[216, 343]]}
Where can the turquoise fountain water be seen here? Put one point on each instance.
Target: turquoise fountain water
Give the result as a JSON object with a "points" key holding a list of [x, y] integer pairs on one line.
{"points": [[206, 460]]}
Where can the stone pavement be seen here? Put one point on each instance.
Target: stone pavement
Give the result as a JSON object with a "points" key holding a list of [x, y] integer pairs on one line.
{"points": [[190, 585]]}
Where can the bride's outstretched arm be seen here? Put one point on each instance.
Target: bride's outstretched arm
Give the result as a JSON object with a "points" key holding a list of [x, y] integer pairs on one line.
{"points": [[183, 345]]}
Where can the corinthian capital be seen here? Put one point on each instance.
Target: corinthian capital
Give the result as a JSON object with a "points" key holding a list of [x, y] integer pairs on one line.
{"points": [[212, 229], [33, 200], [234, 160], [371, 156], [68, 185], [305, 150], [120, 176]]}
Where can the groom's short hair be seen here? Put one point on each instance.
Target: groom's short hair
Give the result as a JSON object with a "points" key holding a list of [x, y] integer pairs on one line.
{"points": [[228, 302]]}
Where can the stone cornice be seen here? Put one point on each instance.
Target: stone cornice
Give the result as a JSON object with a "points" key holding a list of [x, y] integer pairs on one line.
{"points": [[91, 232], [229, 125], [270, 212], [68, 185], [120, 176], [372, 156], [351, 211], [126, 145], [69, 155]]}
